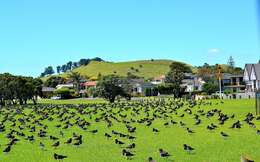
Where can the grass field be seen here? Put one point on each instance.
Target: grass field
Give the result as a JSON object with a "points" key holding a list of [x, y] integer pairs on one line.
{"points": [[209, 145], [71, 101]]}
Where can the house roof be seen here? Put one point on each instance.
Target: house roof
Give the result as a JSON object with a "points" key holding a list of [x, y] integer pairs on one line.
{"points": [[229, 76], [257, 70], [252, 67], [90, 83], [162, 77], [248, 68], [48, 89]]}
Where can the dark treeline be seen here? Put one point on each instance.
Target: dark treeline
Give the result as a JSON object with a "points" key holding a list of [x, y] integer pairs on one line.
{"points": [[19, 89], [68, 66]]}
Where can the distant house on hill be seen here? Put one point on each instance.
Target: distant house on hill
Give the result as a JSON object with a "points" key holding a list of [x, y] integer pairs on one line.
{"points": [[252, 77], [158, 80]]}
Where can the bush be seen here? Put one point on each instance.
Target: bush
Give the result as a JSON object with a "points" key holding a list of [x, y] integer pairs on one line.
{"points": [[167, 89], [228, 91], [92, 92], [65, 93], [210, 88]]}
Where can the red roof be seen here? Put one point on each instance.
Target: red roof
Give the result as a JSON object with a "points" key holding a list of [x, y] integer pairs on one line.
{"points": [[90, 84]]}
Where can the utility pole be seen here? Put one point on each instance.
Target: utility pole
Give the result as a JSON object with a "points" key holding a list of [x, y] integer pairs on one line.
{"points": [[219, 79]]}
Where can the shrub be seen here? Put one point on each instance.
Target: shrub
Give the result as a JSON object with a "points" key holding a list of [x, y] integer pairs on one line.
{"points": [[65, 93]]}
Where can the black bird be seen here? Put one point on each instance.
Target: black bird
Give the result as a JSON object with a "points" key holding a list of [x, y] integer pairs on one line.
{"points": [[68, 141], [223, 134], [56, 144], [7, 149], [155, 130], [245, 159], [78, 143], [127, 154], [78, 137], [150, 159], [131, 146], [164, 153], [94, 131], [188, 148], [189, 130], [53, 138], [119, 142], [108, 135], [258, 132], [59, 157]]}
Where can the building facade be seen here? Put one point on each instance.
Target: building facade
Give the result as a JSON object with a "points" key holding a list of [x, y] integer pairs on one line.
{"points": [[252, 77]]}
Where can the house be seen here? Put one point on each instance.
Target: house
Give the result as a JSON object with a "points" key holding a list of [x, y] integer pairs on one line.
{"points": [[192, 83], [89, 84], [139, 87], [47, 92], [234, 83], [252, 77], [68, 85], [158, 80], [85, 86]]}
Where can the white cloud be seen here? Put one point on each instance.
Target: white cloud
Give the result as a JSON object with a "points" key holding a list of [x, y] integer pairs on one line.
{"points": [[214, 50]]}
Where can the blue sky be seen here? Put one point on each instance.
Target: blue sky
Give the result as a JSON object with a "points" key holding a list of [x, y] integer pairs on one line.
{"points": [[35, 34]]}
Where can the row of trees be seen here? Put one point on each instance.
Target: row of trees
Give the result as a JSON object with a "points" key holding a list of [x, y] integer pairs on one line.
{"points": [[19, 89], [68, 66]]}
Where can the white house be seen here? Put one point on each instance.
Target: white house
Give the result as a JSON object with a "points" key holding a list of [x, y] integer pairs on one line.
{"points": [[252, 77], [158, 80]]}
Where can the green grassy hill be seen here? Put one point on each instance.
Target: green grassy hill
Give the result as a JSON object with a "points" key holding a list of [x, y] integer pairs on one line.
{"points": [[142, 68], [146, 69]]}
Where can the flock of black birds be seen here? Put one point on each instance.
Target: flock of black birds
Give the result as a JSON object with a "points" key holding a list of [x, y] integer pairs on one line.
{"points": [[17, 123]]}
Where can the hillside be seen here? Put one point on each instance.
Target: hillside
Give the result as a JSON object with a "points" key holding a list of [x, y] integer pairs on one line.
{"points": [[146, 68]]}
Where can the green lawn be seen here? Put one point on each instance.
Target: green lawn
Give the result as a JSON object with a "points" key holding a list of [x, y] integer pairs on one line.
{"points": [[72, 101], [209, 145]]}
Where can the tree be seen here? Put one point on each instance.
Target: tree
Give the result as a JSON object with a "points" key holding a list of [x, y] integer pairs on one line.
{"points": [[111, 86], [231, 65], [18, 89], [83, 62], [231, 62], [176, 75], [69, 65], [205, 73], [129, 75], [210, 88], [64, 68], [97, 59], [49, 70], [58, 69], [76, 78], [74, 65], [53, 81], [37, 89]]}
